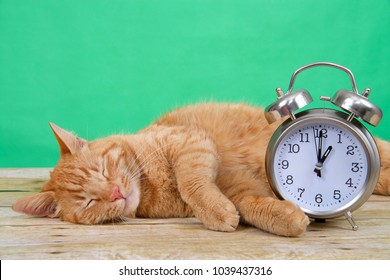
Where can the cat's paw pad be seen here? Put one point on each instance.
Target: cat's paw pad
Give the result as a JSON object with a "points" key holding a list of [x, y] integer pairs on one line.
{"points": [[222, 217], [290, 220]]}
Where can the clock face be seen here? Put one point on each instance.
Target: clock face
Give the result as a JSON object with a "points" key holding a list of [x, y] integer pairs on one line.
{"points": [[321, 165]]}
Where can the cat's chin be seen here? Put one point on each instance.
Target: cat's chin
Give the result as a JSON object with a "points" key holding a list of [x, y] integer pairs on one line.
{"points": [[132, 201]]}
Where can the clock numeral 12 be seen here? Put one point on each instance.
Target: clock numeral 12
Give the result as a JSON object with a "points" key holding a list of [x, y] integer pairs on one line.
{"points": [[317, 133]]}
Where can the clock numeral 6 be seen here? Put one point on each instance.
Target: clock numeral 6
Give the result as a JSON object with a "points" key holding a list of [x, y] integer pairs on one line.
{"points": [[318, 198]]}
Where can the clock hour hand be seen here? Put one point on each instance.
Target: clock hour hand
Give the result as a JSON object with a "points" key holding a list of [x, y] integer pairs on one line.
{"points": [[326, 154], [320, 163]]}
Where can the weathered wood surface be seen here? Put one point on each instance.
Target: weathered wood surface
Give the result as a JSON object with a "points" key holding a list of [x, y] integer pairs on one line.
{"points": [[25, 237]]}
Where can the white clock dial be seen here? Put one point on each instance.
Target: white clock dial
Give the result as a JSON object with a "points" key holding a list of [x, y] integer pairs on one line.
{"points": [[320, 166], [323, 163]]}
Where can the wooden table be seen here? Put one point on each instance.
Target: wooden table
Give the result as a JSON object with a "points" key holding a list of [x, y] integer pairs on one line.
{"points": [[25, 237]]}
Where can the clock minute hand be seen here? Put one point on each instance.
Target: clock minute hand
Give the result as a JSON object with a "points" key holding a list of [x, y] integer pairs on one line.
{"points": [[318, 166], [319, 152]]}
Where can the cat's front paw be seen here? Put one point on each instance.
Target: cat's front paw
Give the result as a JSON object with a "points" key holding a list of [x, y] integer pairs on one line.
{"points": [[222, 216], [289, 219]]}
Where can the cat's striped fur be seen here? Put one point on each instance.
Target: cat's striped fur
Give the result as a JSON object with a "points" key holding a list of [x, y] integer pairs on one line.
{"points": [[205, 160]]}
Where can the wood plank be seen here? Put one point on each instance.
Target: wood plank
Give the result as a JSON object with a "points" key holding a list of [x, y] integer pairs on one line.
{"points": [[25, 172], [25, 237]]}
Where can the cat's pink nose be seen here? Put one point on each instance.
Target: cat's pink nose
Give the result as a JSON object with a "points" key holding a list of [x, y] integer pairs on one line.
{"points": [[116, 194]]}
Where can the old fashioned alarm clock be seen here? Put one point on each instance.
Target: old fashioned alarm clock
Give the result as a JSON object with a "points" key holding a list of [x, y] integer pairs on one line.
{"points": [[324, 160]]}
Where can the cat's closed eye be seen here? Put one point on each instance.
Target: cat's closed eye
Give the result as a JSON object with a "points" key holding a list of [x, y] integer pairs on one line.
{"points": [[105, 173], [90, 203]]}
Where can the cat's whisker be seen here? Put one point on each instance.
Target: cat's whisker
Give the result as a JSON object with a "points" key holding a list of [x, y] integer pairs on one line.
{"points": [[114, 221], [146, 160], [134, 159], [135, 173], [123, 219], [153, 153]]}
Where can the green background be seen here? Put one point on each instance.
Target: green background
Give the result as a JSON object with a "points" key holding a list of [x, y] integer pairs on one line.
{"points": [[102, 67]]}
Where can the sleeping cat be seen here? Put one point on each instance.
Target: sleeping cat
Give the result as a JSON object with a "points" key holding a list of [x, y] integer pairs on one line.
{"points": [[205, 160]]}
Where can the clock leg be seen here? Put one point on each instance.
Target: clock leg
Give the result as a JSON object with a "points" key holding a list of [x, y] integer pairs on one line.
{"points": [[351, 220]]}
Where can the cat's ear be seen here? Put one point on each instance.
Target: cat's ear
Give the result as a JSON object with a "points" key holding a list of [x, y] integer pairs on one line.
{"points": [[42, 204], [69, 143]]}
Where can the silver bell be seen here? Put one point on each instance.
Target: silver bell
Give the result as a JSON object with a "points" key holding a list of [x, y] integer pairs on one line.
{"points": [[287, 104], [358, 105]]}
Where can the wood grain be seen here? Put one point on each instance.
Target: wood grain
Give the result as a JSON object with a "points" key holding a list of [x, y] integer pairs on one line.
{"points": [[25, 237]]}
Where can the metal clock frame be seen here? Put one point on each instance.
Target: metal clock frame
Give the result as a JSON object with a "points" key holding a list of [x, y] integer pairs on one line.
{"points": [[340, 119]]}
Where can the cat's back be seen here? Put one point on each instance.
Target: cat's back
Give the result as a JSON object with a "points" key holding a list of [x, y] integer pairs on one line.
{"points": [[217, 118], [240, 131]]}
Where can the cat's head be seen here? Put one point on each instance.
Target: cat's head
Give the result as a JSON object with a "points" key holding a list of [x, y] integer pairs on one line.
{"points": [[93, 182]]}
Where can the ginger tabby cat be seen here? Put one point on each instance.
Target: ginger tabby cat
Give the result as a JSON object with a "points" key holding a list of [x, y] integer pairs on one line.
{"points": [[205, 160]]}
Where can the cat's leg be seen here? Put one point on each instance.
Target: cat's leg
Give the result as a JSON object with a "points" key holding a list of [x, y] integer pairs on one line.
{"points": [[195, 170], [383, 186], [259, 207]]}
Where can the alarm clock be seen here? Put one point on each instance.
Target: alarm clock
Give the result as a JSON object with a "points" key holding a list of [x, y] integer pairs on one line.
{"points": [[324, 160]]}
